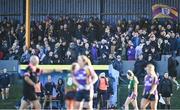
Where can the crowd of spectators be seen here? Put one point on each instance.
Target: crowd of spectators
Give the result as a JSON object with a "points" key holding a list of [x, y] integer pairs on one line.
{"points": [[60, 41]]}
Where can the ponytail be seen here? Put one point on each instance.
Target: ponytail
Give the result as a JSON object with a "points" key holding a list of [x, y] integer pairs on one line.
{"points": [[136, 80]]}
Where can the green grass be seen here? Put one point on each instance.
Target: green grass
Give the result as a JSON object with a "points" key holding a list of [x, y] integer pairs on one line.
{"points": [[16, 94], [122, 95]]}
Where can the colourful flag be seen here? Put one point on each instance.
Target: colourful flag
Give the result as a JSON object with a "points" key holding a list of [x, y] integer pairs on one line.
{"points": [[164, 11]]}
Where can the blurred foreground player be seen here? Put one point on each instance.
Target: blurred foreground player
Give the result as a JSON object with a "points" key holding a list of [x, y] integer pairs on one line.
{"points": [[84, 79], [30, 79], [70, 88]]}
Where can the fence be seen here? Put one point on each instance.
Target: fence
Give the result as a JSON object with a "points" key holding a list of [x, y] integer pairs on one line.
{"points": [[13, 66], [108, 10]]}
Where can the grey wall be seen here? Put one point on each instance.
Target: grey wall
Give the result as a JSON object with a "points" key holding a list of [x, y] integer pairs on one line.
{"points": [[12, 66], [109, 10], [161, 65]]}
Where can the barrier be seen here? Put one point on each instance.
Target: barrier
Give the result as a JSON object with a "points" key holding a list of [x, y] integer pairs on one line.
{"points": [[12, 66], [64, 67]]}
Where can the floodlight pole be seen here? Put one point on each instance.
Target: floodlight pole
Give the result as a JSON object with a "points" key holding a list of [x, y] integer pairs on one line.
{"points": [[28, 23]]}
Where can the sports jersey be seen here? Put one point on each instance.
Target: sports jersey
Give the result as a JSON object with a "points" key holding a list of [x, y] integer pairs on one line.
{"points": [[149, 82], [70, 86], [81, 77], [29, 90], [131, 86]]}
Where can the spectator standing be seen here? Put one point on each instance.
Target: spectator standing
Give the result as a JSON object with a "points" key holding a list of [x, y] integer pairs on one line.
{"points": [[41, 55], [79, 32], [139, 66], [5, 83], [178, 43], [118, 65], [138, 50], [146, 49], [172, 65], [103, 47], [151, 61], [165, 90], [103, 85], [25, 57], [172, 41], [103, 59], [131, 53], [155, 54], [48, 88], [60, 93], [68, 58], [94, 53], [165, 46], [135, 39]]}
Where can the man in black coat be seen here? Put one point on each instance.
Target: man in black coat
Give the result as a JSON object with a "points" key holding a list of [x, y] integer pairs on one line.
{"points": [[118, 65], [165, 90], [139, 68], [172, 64]]}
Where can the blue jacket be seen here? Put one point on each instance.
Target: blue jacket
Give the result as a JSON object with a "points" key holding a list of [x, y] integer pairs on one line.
{"points": [[136, 41], [178, 43]]}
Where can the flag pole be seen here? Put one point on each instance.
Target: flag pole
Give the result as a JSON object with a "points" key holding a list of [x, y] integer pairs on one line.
{"points": [[27, 24]]}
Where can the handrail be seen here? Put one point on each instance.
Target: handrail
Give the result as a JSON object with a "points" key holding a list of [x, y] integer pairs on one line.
{"points": [[65, 67]]}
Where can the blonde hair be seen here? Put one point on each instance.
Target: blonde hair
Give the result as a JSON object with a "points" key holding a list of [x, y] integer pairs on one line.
{"points": [[74, 66], [86, 60], [151, 68]]}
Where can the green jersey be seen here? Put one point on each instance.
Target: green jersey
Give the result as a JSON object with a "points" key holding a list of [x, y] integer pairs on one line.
{"points": [[131, 85], [70, 86]]}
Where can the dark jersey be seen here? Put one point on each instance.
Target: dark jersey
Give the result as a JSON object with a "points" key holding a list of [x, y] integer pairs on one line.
{"points": [[5, 79], [49, 88], [29, 90]]}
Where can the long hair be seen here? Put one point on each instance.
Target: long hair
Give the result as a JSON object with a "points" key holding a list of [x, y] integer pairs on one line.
{"points": [[74, 67], [131, 74], [86, 60]]}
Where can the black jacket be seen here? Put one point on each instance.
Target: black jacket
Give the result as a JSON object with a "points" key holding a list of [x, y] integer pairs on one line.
{"points": [[165, 86], [139, 67], [117, 65]]}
